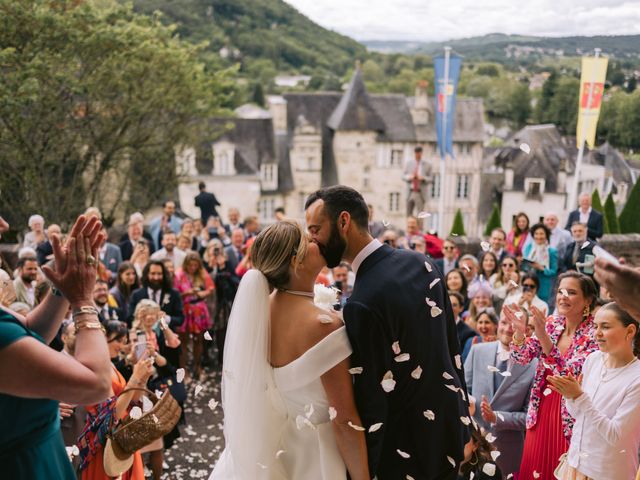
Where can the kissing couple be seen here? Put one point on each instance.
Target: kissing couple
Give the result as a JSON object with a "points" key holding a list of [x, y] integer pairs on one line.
{"points": [[308, 396]]}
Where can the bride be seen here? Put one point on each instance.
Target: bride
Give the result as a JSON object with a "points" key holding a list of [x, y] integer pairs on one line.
{"points": [[289, 410]]}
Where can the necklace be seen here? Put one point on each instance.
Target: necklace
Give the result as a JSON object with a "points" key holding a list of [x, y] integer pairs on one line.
{"points": [[300, 293], [604, 370]]}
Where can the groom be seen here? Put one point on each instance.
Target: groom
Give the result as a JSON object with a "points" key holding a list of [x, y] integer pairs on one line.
{"points": [[401, 328]]}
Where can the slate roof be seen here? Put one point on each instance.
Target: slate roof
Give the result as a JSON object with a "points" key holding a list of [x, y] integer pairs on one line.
{"points": [[394, 112], [469, 123], [614, 162], [253, 140], [355, 110]]}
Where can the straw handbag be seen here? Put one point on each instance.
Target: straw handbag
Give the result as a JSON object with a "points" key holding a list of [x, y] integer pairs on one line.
{"points": [[133, 434]]}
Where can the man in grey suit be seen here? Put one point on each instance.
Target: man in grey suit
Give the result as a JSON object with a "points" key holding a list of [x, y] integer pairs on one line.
{"points": [[234, 251], [111, 257], [417, 175], [501, 389]]}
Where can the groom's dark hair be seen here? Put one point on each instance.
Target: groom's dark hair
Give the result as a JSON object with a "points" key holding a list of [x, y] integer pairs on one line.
{"points": [[340, 198]]}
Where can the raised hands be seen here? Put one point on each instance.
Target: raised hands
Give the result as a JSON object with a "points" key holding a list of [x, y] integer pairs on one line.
{"points": [[567, 386]]}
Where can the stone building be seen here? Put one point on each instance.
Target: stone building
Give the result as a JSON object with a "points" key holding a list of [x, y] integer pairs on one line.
{"points": [[353, 138]]}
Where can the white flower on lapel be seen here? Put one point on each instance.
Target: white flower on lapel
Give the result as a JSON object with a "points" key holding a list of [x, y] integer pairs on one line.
{"points": [[324, 297]]}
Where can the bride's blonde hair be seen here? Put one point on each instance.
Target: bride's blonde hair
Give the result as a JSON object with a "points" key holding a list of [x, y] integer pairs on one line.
{"points": [[273, 249]]}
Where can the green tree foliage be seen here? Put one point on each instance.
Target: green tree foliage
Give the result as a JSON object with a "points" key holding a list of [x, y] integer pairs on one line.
{"points": [[630, 216], [258, 95], [596, 202], [458, 225], [558, 103], [494, 220], [619, 118], [519, 101], [94, 103], [611, 224]]}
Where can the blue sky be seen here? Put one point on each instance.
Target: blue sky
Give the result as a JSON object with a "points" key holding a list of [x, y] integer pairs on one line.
{"points": [[429, 20]]}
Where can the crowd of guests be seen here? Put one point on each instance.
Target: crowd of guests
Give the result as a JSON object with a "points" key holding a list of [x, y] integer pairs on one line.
{"points": [[550, 360]]}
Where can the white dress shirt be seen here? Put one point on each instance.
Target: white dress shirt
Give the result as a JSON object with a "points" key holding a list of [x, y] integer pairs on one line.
{"points": [[584, 217], [606, 435], [371, 247]]}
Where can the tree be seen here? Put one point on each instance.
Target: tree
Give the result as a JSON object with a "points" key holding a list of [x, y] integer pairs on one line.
{"points": [[630, 215], [548, 91], [596, 204], [458, 225], [519, 101], [258, 95], [611, 224], [494, 220], [95, 102]]}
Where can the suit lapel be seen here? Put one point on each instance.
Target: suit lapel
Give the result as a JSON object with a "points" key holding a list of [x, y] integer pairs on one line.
{"points": [[371, 260]]}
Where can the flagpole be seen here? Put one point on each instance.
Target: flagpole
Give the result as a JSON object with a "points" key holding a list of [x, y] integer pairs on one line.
{"points": [[441, 232], [573, 195]]}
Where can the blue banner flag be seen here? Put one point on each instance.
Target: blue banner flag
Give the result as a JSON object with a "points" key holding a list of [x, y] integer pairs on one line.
{"points": [[446, 100]]}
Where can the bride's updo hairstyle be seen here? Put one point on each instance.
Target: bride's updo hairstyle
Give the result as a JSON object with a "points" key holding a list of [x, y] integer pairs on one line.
{"points": [[273, 249]]}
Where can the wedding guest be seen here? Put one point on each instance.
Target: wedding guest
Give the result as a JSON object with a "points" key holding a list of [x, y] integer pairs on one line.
{"points": [[25, 281], [170, 268], [168, 221], [562, 343], [44, 250], [518, 236], [37, 235], [480, 297], [487, 325], [470, 267], [606, 435], [450, 259], [169, 249], [576, 253], [456, 282], [587, 215], [506, 281], [29, 415], [497, 241], [375, 228], [245, 264], [195, 286], [542, 259], [466, 335], [140, 256], [126, 283], [560, 238], [489, 265], [527, 296], [234, 252], [478, 462]]}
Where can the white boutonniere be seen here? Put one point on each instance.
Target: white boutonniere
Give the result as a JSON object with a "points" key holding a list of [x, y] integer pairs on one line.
{"points": [[325, 297], [165, 299]]}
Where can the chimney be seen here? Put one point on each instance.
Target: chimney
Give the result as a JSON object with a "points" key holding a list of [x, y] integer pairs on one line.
{"points": [[420, 111], [508, 176], [278, 109]]}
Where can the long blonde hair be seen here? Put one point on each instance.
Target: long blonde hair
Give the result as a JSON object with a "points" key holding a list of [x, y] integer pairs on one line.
{"points": [[273, 249]]}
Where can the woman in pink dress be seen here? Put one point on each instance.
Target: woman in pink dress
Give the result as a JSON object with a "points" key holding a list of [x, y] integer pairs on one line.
{"points": [[519, 236], [195, 286], [562, 343]]}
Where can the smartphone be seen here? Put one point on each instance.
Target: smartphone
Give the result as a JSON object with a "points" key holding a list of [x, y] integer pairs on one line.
{"points": [[600, 252], [587, 266], [141, 344]]}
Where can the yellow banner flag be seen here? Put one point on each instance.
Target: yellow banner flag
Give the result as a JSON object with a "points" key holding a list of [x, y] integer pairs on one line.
{"points": [[594, 72]]}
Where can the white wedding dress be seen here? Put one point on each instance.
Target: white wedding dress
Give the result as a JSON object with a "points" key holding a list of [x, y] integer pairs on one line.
{"points": [[304, 442]]}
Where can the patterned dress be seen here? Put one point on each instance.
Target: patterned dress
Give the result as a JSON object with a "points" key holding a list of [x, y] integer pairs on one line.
{"points": [[197, 318], [549, 424]]}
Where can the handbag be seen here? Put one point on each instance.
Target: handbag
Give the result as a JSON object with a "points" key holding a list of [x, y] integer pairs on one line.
{"points": [[562, 466]]}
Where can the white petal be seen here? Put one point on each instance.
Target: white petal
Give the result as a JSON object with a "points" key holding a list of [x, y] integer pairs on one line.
{"points": [[490, 437], [623, 451], [519, 314], [386, 223], [417, 372], [403, 454], [198, 389], [509, 476], [434, 282], [489, 469], [180, 375], [332, 413], [506, 373], [375, 427], [430, 302], [428, 266], [584, 245], [495, 454], [451, 387], [514, 284], [547, 391], [158, 394], [325, 318], [212, 404], [409, 477], [146, 404], [135, 413], [536, 474], [435, 311], [388, 383], [500, 416], [491, 368], [486, 246], [429, 415], [564, 292], [458, 360], [356, 427], [465, 420], [403, 357], [279, 453], [424, 214], [466, 267], [207, 336], [355, 370], [395, 346], [447, 376], [525, 148], [451, 460], [308, 410], [302, 422], [472, 475]]}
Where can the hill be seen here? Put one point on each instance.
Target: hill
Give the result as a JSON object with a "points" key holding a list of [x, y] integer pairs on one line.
{"points": [[264, 31]]}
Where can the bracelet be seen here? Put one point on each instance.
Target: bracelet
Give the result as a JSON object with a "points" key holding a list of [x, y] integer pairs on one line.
{"points": [[517, 342], [86, 310], [89, 326]]}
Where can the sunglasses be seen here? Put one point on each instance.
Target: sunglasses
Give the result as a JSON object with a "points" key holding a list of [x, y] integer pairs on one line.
{"points": [[448, 248], [508, 264]]}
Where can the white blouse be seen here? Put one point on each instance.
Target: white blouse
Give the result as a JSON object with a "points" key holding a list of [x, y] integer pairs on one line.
{"points": [[606, 435]]}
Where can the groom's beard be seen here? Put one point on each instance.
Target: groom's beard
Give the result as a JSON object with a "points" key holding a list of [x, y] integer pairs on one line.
{"points": [[334, 249]]}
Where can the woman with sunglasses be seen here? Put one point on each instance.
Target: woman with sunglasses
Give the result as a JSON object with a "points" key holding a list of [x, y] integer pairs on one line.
{"points": [[506, 281], [526, 296]]}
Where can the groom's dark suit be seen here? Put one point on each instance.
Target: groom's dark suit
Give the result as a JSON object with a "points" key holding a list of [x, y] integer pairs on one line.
{"points": [[388, 305]]}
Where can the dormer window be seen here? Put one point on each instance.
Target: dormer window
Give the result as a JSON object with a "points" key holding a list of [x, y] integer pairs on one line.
{"points": [[269, 176], [534, 188], [223, 158]]}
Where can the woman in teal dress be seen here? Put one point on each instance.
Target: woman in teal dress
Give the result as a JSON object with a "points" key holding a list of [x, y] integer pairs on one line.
{"points": [[34, 377]]}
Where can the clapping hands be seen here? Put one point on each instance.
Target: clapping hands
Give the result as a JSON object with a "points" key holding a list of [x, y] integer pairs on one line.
{"points": [[567, 386]]}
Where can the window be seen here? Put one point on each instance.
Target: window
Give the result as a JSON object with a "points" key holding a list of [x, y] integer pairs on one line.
{"points": [[266, 208], [463, 186], [394, 202], [464, 148], [534, 187], [435, 187], [269, 176], [396, 158], [224, 167]]}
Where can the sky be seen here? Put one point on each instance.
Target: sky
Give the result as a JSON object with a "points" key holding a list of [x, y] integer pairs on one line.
{"points": [[440, 20]]}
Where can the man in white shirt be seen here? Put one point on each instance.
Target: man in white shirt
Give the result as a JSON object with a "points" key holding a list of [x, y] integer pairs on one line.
{"points": [[169, 250], [587, 215]]}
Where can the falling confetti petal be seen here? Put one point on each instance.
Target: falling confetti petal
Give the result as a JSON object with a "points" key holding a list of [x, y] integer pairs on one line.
{"points": [[525, 148], [158, 394], [395, 346], [500, 416], [435, 311], [409, 477], [491, 368], [386, 223], [212, 404], [514, 284], [489, 469], [279, 453], [428, 266], [472, 475], [403, 357], [356, 427], [424, 215], [490, 437], [505, 374], [355, 370], [302, 421], [324, 318], [466, 267], [417, 372], [375, 427], [180, 375], [536, 474], [429, 302], [509, 476], [403, 454], [495, 454], [388, 383], [547, 391], [465, 420], [452, 387], [434, 283], [454, 234], [135, 413], [564, 292], [447, 376], [584, 245], [207, 336], [146, 404], [332, 413], [519, 314], [429, 415], [623, 451], [451, 460], [458, 360], [198, 390], [308, 410], [486, 246]]}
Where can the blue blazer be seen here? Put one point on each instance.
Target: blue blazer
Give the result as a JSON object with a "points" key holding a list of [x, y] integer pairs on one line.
{"points": [[595, 224], [546, 276]]}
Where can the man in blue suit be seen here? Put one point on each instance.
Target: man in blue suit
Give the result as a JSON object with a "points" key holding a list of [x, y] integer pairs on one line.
{"points": [[501, 389], [587, 215]]}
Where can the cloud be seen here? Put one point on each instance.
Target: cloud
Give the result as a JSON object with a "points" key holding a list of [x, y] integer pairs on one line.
{"points": [[428, 20]]}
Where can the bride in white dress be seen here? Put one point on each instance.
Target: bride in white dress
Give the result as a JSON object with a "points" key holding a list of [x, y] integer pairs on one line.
{"points": [[289, 410]]}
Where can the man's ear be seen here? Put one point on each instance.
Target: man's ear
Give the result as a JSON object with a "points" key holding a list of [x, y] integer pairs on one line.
{"points": [[344, 221]]}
